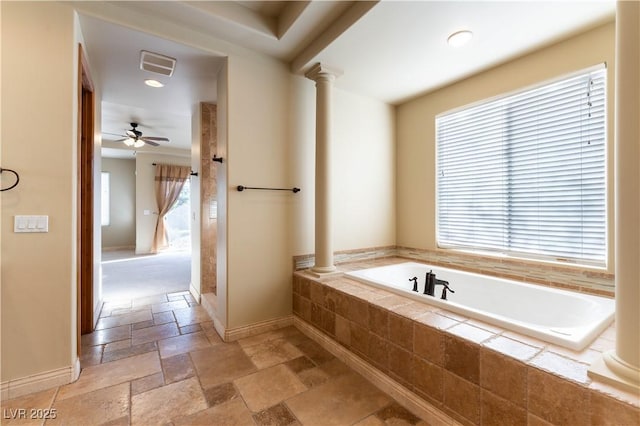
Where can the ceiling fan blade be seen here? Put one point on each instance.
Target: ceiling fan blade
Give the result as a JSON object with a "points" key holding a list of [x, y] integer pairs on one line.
{"points": [[153, 138], [121, 140], [148, 142]]}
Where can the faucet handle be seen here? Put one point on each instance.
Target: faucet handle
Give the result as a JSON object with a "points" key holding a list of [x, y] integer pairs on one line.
{"points": [[415, 283], [444, 290]]}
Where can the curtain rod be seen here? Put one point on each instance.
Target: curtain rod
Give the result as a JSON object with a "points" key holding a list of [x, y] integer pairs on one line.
{"points": [[242, 188], [192, 172]]}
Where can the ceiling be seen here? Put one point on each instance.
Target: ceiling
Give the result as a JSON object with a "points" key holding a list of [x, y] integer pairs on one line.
{"points": [[114, 52], [402, 48], [388, 50]]}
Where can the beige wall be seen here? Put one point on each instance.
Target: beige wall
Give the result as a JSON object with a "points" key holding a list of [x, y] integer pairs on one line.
{"points": [[38, 290], [364, 170], [146, 196], [221, 189], [363, 167], [258, 251], [267, 228], [416, 130], [194, 203], [121, 231]]}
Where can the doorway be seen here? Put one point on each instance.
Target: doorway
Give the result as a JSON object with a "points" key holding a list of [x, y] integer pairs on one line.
{"points": [[85, 262], [129, 268], [159, 118]]}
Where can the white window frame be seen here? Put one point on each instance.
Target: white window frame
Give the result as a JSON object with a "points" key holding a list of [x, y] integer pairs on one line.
{"points": [[504, 250]]}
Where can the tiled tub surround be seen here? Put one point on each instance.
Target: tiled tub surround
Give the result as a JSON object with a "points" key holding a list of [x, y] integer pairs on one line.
{"points": [[473, 372], [563, 276]]}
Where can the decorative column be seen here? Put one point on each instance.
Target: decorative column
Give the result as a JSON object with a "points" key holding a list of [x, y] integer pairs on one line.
{"points": [[621, 367], [324, 77]]}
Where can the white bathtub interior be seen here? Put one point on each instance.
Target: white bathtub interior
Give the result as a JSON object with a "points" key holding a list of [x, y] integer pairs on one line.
{"points": [[568, 319]]}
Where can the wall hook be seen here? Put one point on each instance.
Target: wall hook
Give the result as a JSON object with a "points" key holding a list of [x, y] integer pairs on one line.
{"points": [[15, 174], [217, 159]]}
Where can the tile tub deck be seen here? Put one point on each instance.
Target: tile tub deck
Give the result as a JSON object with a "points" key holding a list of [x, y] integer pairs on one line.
{"points": [[473, 372]]}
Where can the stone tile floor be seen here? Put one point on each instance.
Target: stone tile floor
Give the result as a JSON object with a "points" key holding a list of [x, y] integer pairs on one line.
{"points": [[158, 360]]}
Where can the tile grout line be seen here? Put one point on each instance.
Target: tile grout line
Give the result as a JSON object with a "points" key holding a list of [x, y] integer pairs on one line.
{"points": [[53, 400], [130, 410]]}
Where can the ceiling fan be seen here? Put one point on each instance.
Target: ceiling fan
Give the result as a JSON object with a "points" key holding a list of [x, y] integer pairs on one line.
{"points": [[133, 137]]}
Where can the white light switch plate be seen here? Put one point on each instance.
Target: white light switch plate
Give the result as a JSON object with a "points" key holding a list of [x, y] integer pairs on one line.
{"points": [[31, 224]]}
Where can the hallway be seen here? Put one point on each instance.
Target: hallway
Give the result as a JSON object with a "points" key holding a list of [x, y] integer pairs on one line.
{"points": [[158, 359]]}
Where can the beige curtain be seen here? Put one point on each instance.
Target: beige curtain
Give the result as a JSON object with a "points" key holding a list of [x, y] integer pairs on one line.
{"points": [[169, 182]]}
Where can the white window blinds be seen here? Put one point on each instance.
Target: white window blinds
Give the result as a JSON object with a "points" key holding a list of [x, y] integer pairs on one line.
{"points": [[525, 174]]}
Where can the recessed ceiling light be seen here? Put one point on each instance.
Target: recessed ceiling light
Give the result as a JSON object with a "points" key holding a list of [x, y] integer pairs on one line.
{"points": [[460, 38], [153, 83]]}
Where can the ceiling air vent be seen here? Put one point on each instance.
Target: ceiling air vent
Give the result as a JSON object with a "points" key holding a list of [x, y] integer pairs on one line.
{"points": [[154, 62]]}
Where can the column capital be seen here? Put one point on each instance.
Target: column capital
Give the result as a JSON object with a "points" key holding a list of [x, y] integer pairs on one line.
{"points": [[320, 71]]}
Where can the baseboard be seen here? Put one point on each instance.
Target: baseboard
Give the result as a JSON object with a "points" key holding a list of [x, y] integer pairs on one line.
{"points": [[4, 395], [237, 333], [75, 372], [406, 398], [211, 309], [117, 248], [194, 292], [233, 334], [97, 310], [42, 381]]}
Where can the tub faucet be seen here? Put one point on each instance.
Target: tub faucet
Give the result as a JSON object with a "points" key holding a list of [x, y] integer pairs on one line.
{"points": [[430, 285]]}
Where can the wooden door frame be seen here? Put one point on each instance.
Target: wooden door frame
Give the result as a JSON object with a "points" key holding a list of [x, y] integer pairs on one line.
{"points": [[85, 195]]}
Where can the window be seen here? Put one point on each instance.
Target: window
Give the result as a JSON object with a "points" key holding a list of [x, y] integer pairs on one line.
{"points": [[104, 196], [178, 220], [524, 174]]}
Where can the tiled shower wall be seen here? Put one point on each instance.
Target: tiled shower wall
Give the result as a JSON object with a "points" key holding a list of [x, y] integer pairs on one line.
{"points": [[473, 372], [208, 147], [560, 276]]}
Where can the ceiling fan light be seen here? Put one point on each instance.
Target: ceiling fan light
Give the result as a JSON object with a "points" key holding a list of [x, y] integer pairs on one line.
{"points": [[138, 144], [153, 83], [129, 142], [460, 38]]}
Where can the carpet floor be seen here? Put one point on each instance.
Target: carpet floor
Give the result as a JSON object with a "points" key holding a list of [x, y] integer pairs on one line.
{"points": [[129, 276]]}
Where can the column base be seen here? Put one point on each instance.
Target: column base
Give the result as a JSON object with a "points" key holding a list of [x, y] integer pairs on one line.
{"points": [[324, 271], [615, 372]]}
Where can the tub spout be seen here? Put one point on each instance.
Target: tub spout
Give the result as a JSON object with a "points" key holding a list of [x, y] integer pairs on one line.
{"points": [[429, 283]]}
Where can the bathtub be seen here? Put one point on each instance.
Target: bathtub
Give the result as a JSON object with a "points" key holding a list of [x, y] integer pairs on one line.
{"points": [[568, 319]]}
